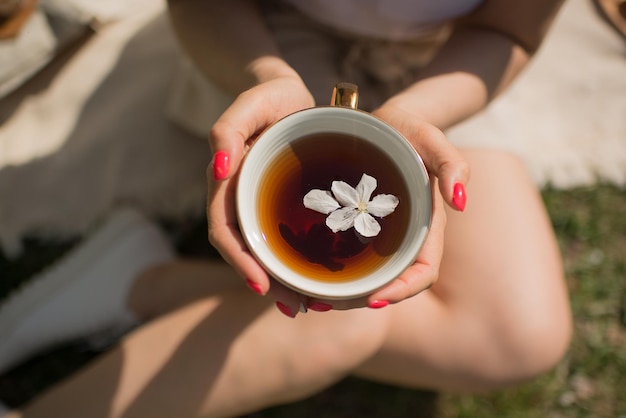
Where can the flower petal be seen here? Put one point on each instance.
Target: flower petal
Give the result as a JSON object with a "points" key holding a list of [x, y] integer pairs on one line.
{"points": [[366, 225], [341, 219], [345, 194], [382, 205], [320, 201], [365, 187]]}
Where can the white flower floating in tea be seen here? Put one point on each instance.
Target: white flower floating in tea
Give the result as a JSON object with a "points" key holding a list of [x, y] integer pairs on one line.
{"points": [[351, 207]]}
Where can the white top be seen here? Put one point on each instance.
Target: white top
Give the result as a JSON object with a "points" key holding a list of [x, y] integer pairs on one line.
{"points": [[387, 19]]}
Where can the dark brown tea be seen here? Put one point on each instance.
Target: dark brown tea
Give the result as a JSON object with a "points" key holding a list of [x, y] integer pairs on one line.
{"points": [[299, 236]]}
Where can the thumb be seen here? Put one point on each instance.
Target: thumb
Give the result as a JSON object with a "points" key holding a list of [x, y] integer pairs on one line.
{"points": [[443, 160], [231, 134]]}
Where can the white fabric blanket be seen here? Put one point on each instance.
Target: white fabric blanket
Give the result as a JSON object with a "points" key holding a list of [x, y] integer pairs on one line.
{"points": [[97, 136]]}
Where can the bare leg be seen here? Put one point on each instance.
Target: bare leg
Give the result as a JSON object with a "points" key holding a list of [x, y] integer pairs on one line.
{"points": [[499, 313], [220, 356], [166, 287]]}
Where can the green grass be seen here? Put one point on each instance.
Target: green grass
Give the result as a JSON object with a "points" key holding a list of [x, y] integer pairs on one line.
{"points": [[589, 382]]}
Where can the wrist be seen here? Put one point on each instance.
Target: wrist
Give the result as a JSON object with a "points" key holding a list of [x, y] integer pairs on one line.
{"points": [[441, 110], [414, 105], [268, 68]]}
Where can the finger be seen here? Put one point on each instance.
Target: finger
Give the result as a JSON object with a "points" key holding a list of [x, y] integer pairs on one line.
{"points": [[228, 138], [440, 157], [224, 235], [422, 274], [229, 135], [288, 302], [446, 162], [443, 160]]}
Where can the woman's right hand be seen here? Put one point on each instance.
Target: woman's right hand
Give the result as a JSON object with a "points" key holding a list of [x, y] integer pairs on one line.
{"points": [[251, 112]]}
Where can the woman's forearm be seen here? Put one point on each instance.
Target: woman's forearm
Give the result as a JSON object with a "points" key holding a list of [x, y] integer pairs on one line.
{"points": [[472, 68], [228, 41], [486, 52]]}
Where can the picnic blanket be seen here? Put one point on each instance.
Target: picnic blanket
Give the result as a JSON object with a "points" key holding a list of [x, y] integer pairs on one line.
{"points": [[96, 133]]}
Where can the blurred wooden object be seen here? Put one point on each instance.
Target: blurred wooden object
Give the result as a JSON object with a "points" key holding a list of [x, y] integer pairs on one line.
{"points": [[13, 16], [614, 13]]}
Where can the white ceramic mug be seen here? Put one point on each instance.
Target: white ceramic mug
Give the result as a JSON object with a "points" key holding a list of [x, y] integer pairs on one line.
{"points": [[344, 119]]}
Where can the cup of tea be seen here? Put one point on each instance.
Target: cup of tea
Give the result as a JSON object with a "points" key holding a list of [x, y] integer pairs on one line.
{"points": [[332, 201]]}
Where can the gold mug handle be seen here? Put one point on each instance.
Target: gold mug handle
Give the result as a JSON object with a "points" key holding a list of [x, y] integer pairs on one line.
{"points": [[345, 95]]}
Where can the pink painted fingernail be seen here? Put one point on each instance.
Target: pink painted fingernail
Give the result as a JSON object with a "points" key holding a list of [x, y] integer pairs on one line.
{"points": [[221, 164], [320, 307], [459, 197], [255, 287], [377, 304], [284, 309]]}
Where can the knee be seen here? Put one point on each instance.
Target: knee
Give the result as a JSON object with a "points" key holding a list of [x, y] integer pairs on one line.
{"points": [[538, 346], [530, 345]]}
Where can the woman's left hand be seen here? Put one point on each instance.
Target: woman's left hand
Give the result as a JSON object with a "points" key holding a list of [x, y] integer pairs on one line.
{"points": [[449, 174]]}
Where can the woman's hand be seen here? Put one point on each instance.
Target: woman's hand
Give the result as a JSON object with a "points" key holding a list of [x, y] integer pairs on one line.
{"points": [[259, 107], [252, 112], [449, 174]]}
